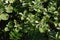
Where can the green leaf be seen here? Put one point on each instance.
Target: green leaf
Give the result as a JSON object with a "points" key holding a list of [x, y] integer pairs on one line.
{"points": [[9, 9], [4, 16], [51, 9], [41, 30], [11, 1], [6, 29]]}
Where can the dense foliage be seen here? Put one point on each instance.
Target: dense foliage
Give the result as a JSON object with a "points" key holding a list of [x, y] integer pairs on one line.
{"points": [[29, 20]]}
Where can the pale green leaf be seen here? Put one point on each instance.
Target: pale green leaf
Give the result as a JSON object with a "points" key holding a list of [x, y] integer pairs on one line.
{"points": [[4, 16]]}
